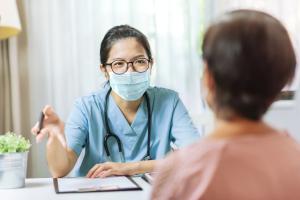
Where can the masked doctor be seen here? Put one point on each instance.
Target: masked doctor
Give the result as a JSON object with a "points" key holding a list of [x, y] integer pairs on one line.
{"points": [[126, 125]]}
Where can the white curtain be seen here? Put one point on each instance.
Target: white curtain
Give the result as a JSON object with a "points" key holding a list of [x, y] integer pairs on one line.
{"points": [[58, 53], [10, 111], [5, 89], [177, 26]]}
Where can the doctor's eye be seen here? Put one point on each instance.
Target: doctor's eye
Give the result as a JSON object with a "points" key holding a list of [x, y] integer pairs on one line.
{"points": [[119, 64], [141, 62]]}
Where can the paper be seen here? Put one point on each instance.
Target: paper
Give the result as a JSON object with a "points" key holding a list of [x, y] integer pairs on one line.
{"points": [[82, 184]]}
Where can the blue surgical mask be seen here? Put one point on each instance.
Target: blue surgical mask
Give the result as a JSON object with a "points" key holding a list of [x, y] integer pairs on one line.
{"points": [[130, 86]]}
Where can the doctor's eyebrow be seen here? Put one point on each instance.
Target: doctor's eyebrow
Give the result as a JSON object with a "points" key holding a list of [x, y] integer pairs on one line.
{"points": [[133, 58]]}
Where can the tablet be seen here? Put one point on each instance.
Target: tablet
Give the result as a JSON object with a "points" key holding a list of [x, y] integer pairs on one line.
{"points": [[83, 184]]}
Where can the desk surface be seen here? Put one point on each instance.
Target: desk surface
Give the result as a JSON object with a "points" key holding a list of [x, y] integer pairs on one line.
{"points": [[42, 189]]}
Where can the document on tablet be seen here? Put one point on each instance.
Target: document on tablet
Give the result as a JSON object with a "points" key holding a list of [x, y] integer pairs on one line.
{"points": [[82, 184]]}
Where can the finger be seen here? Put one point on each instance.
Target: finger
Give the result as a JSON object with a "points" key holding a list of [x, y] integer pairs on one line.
{"points": [[35, 129], [91, 171], [48, 110], [101, 174], [106, 173], [43, 133], [50, 115], [99, 170]]}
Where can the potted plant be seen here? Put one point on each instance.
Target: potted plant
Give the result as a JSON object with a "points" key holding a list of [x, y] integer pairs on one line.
{"points": [[13, 160]]}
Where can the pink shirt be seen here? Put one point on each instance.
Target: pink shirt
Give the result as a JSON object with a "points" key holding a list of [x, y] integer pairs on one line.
{"points": [[243, 168]]}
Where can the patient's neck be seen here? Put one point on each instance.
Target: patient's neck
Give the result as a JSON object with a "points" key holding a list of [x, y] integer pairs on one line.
{"points": [[239, 126]]}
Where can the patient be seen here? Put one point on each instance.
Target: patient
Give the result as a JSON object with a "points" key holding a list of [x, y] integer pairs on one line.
{"points": [[248, 59]]}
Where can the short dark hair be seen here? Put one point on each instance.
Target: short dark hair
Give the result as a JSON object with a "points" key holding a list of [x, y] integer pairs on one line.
{"points": [[122, 32], [251, 58]]}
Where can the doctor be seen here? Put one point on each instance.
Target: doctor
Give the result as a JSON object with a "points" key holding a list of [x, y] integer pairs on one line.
{"points": [[126, 125]]}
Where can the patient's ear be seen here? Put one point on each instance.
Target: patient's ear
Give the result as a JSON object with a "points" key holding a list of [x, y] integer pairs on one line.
{"points": [[104, 71], [208, 80], [208, 85]]}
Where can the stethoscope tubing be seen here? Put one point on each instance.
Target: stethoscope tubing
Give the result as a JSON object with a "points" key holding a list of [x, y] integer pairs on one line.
{"points": [[110, 135]]}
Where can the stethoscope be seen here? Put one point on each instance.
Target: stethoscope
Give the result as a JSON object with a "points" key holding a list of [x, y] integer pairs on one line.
{"points": [[110, 135]]}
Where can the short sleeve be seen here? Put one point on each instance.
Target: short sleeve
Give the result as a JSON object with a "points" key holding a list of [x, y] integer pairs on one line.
{"points": [[76, 129], [183, 131]]}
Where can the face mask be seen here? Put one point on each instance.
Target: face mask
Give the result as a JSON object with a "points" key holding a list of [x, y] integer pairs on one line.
{"points": [[130, 86]]}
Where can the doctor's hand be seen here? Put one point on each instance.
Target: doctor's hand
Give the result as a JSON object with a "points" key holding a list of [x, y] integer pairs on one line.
{"points": [[53, 127], [102, 170], [106, 169], [60, 158]]}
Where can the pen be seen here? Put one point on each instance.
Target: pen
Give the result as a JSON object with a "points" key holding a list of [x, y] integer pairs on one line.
{"points": [[148, 177], [173, 146], [41, 120]]}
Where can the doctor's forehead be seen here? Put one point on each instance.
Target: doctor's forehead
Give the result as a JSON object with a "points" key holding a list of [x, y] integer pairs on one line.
{"points": [[127, 48]]}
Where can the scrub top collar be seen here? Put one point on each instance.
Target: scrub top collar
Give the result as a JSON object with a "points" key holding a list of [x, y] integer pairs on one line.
{"points": [[120, 125]]}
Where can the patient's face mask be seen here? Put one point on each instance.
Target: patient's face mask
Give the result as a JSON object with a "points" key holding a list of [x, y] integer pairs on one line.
{"points": [[130, 86]]}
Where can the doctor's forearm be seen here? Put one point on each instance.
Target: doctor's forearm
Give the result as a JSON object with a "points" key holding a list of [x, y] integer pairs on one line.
{"points": [[60, 159], [142, 167]]}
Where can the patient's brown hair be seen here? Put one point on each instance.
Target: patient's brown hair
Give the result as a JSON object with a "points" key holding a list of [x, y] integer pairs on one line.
{"points": [[251, 58]]}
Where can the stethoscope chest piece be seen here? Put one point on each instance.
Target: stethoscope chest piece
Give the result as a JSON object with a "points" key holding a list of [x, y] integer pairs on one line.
{"points": [[112, 136]]}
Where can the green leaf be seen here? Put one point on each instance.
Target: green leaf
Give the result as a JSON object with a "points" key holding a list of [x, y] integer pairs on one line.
{"points": [[12, 143]]}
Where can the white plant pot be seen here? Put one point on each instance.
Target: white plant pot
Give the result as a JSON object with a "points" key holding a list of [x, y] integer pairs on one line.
{"points": [[13, 167]]}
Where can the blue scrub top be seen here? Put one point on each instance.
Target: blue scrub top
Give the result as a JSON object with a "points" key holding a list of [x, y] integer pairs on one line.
{"points": [[85, 128]]}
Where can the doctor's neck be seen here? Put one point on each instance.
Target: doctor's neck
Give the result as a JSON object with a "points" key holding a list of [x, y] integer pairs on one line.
{"points": [[126, 106]]}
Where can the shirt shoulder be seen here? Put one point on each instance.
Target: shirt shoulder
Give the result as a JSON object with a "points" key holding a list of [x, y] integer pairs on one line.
{"points": [[160, 91], [93, 99], [196, 163], [206, 152], [163, 96]]}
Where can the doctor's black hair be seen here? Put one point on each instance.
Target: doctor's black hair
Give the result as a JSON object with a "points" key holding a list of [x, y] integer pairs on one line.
{"points": [[250, 58], [122, 32]]}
